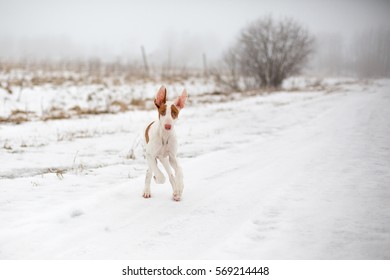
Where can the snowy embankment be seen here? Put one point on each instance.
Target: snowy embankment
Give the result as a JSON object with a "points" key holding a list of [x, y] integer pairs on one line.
{"points": [[285, 176]]}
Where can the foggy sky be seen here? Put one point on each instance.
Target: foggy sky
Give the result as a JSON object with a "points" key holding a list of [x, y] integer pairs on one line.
{"points": [[182, 30]]}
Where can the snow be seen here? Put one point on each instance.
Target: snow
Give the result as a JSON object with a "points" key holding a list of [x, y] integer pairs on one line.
{"points": [[289, 175]]}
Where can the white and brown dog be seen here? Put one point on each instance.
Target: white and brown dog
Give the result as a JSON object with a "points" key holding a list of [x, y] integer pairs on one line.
{"points": [[161, 144]]}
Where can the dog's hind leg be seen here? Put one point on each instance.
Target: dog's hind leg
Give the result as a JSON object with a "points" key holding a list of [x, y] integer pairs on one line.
{"points": [[148, 179]]}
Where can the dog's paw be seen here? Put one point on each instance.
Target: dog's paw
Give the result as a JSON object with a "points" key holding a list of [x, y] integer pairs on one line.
{"points": [[159, 178], [147, 195], [176, 197]]}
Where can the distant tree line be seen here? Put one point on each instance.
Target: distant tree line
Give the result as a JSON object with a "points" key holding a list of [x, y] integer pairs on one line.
{"points": [[365, 55]]}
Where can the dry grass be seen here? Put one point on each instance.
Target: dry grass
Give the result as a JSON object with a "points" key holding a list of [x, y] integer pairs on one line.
{"points": [[58, 171], [70, 136], [138, 102], [55, 113], [123, 107], [17, 117], [77, 110]]}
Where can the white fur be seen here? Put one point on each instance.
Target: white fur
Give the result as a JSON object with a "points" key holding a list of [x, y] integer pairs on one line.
{"points": [[162, 146]]}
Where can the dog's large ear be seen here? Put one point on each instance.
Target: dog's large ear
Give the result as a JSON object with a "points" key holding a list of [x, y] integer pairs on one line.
{"points": [[181, 100], [161, 97]]}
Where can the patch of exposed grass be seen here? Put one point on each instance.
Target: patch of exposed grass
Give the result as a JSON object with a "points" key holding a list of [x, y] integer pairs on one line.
{"points": [[59, 172], [17, 117], [138, 102], [55, 113], [123, 107], [77, 110]]}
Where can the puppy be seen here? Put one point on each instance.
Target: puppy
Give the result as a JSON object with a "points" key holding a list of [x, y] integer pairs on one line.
{"points": [[161, 144]]}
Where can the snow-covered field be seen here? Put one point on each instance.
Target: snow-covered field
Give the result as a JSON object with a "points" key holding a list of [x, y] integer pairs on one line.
{"points": [[289, 175]]}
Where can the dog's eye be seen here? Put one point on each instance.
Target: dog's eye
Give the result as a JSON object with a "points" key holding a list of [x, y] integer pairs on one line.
{"points": [[162, 110], [174, 112]]}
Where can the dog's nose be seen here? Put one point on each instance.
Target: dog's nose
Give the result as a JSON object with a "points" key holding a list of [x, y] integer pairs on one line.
{"points": [[168, 126]]}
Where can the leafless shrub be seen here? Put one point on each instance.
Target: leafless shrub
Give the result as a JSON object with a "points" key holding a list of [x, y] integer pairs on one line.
{"points": [[267, 52]]}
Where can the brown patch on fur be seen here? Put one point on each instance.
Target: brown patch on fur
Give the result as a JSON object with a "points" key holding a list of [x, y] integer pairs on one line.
{"points": [[162, 110], [174, 112], [147, 132]]}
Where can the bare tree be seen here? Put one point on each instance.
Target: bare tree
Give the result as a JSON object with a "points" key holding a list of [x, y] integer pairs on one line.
{"points": [[269, 51]]}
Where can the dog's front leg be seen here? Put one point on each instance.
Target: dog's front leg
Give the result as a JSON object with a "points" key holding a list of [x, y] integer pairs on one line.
{"points": [[167, 167], [178, 191], [158, 175], [152, 168]]}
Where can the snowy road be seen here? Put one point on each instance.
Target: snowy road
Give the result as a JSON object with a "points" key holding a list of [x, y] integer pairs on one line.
{"points": [[283, 176]]}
